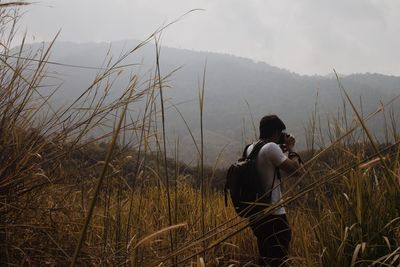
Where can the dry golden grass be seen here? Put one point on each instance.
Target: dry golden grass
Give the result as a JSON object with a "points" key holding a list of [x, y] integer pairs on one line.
{"points": [[66, 199]]}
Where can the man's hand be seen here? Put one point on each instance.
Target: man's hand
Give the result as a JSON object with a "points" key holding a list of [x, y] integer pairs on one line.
{"points": [[289, 141]]}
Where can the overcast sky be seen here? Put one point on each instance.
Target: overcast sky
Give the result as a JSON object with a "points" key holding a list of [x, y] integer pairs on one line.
{"points": [[304, 36]]}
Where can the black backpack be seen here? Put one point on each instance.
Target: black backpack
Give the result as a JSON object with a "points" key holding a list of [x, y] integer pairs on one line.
{"points": [[244, 184]]}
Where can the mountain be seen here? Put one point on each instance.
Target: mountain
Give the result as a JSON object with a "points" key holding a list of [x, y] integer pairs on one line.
{"points": [[237, 92]]}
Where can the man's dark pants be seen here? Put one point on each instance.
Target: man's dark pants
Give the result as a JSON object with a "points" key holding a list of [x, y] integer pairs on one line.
{"points": [[273, 237]]}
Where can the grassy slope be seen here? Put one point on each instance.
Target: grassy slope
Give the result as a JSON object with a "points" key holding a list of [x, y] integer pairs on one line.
{"points": [[330, 224]]}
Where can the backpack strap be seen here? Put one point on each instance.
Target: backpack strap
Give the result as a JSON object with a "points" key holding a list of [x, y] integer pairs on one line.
{"points": [[226, 195], [244, 154], [276, 174], [257, 147]]}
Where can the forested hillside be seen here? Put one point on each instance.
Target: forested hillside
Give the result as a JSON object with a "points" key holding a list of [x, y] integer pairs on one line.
{"points": [[238, 92]]}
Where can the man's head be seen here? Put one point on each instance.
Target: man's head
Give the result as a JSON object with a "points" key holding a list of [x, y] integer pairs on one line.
{"points": [[271, 127]]}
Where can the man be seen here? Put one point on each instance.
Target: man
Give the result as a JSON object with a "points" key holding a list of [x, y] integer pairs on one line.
{"points": [[273, 232]]}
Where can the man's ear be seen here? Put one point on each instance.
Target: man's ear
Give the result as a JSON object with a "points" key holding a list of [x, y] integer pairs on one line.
{"points": [[277, 136]]}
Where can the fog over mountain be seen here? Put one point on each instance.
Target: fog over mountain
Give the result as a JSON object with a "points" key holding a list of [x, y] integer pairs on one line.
{"points": [[237, 92]]}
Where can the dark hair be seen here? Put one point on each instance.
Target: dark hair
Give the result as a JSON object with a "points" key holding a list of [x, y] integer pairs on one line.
{"points": [[269, 125]]}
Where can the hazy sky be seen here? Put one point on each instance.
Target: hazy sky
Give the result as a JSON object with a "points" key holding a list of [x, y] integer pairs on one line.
{"points": [[304, 36]]}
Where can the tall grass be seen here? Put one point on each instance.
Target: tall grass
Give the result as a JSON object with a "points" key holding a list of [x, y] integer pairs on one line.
{"points": [[66, 198]]}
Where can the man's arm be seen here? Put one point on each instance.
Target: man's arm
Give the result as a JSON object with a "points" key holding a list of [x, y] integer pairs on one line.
{"points": [[292, 167]]}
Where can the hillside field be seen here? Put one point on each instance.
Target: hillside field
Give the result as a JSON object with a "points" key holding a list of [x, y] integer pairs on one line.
{"points": [[102, 181]]}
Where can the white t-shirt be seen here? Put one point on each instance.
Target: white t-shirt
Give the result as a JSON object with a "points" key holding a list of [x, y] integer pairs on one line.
{"points": [[270, 157]]}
